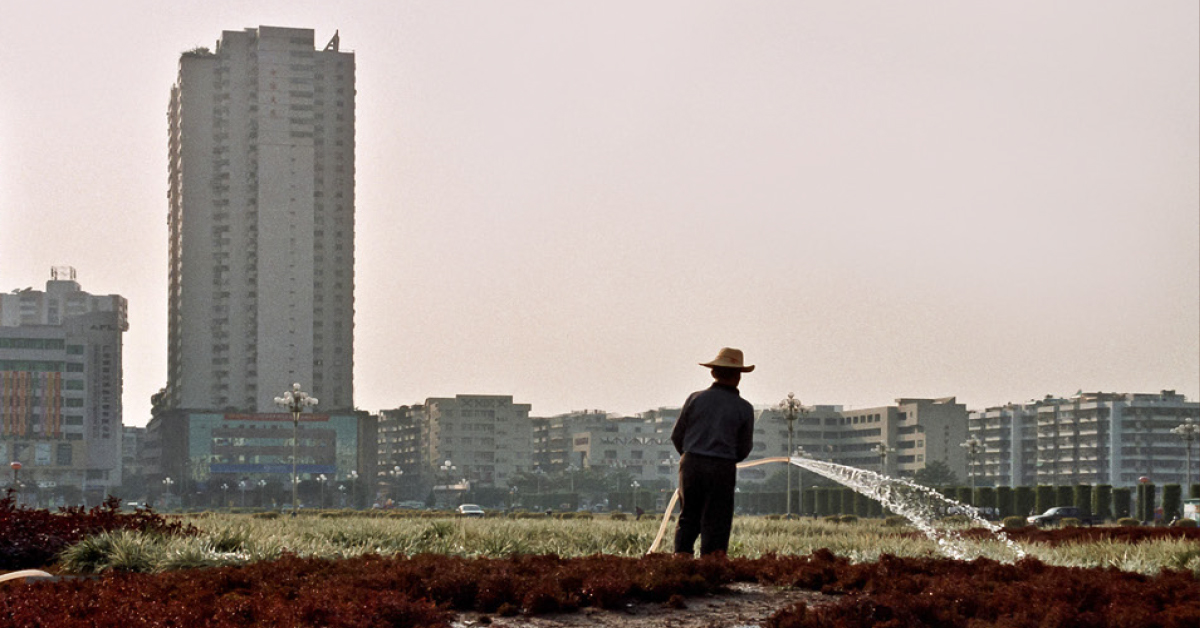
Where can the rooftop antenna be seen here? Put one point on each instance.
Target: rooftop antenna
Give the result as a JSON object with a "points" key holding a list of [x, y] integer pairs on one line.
{"points": [[333, 43], [62, 273]]}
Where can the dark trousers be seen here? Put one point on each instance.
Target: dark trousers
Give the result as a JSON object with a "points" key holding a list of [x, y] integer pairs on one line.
{"points": [[706, 487]]}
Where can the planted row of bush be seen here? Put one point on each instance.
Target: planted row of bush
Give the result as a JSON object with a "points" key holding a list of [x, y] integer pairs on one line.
{"points": [[903, 592], [32, 538], [423, 590]]}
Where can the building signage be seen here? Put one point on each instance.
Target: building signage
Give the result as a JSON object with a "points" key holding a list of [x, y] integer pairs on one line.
{"points": [[278, 416]]}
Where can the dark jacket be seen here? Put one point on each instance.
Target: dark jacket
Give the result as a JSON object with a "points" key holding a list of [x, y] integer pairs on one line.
{"points": [[715, 422]]}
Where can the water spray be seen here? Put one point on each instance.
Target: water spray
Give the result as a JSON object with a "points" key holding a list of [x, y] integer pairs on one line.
{"points": [[920, 505]]}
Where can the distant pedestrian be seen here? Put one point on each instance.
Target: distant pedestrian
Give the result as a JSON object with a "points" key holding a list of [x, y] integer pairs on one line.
{"points": [[714, 432], [637, 513]]}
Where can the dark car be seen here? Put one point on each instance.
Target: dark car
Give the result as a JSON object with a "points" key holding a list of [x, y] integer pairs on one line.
{"points": [[1055, 516]]}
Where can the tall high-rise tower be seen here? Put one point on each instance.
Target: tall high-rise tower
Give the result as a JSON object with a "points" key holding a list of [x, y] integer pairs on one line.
{"points": [[261, 223]]}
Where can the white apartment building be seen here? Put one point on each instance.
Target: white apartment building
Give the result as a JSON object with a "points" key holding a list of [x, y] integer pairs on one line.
{"points": [[453, 442], [60, 389], [261, 223], [1090, 438]]}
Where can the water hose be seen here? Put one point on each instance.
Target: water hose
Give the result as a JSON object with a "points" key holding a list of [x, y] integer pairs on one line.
{"points": [[666, 521]]}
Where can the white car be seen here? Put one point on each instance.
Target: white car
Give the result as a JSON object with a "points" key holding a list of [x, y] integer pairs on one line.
{"points": [[470, 510]]}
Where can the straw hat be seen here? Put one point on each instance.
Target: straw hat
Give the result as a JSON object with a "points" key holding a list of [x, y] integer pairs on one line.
{"points": [[731, 359]]}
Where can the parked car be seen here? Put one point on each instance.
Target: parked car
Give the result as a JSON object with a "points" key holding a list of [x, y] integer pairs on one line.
{"points": [[470, 510], [1054, 516]]}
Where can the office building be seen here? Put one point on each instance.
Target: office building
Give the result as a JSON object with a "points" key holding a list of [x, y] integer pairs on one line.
{"points": [[60, 390]]}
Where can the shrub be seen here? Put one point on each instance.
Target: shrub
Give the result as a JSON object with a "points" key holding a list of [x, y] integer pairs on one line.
{"points": [[848, 519], [894, 521], [1121, 497], [1184, 523], [1172, 500], [1102, 501], [270, 514], [1070, 522], [1013, 523], [31, 538], [1128, 522], [832, 519], [618, 516]]}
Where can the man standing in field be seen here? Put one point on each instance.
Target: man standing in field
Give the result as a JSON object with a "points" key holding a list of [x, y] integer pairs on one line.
{"points": [[715, 431]]}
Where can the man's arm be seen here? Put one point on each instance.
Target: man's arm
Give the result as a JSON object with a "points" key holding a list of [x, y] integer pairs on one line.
{"points": [[681, 426], [745, 437]]}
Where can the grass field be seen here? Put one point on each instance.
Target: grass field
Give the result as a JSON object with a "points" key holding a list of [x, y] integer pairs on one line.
{"points": [[240, 538]]}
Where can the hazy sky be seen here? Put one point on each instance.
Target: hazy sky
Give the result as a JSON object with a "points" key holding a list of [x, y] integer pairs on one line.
{"points": [[574, 203]]}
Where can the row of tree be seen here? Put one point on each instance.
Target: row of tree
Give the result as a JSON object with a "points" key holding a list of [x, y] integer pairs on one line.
{"points": [[1143, 502]]}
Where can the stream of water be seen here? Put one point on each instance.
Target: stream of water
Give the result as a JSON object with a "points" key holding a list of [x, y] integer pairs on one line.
{"points": [[921, 505]]}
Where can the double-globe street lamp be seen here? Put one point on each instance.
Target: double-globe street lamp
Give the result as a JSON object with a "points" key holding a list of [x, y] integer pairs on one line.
{"points": [[883, 451], [792, 408], [167, 483], [295, 401], [799, 453], [974, 447], [1188, 431]]}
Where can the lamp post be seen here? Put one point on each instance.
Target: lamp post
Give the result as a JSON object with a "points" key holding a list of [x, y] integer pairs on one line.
{"points": [[538, 473], [352, 477], [635, 486], [883, 451], [800, 453], [167, 482], [242, 487], [791, 408], [342, 495], [396, 472], [295, 401], [448, 469], [262, 485], [321, 480], [1188, 431], [224, 494], [16, 467], [973, 446]]}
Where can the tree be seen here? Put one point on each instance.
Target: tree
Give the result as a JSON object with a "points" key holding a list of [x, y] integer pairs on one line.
{"points": [[936, 473]]}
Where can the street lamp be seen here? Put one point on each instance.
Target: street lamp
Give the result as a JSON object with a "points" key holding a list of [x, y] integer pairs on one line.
{"points": [[1188, 431], [295, 401], [635, 486], [792, 409], [396, 472], [883, 451], [16, 467], [167, 482], [224, 494], [262, 485], [352, 477], [321, 480], [242, 485], [571, 475], [800, 453], [342, 495], [973, 446], [538, 473], [448, 470]]}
